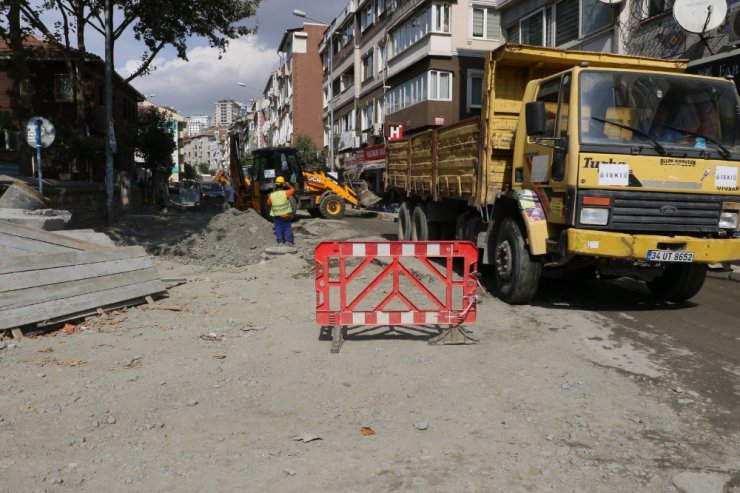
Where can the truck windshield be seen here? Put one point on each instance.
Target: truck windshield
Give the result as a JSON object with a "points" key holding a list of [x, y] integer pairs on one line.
{"points": [[659, 111]]}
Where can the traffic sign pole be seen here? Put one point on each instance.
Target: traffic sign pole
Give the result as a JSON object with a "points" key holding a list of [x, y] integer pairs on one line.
{"points": [[38, 153]]}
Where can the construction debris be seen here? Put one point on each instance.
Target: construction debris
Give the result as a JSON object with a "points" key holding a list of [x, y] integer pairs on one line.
{"points": [[50, 277]]}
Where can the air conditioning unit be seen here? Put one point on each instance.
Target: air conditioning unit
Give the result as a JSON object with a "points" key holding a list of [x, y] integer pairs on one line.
{"points": [[734, 23]]}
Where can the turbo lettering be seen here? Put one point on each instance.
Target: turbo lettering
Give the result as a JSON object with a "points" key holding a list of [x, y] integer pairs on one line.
{"points": [[591, 163]]}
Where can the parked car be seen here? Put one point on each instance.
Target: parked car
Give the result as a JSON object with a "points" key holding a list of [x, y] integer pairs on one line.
{"points": [[185, 193], [211, 192]]}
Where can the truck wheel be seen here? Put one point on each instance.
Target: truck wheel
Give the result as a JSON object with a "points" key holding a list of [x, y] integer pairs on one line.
{"points": [[679, 282], [404, 221], [517, 272], [421, 228], [332, 207]]}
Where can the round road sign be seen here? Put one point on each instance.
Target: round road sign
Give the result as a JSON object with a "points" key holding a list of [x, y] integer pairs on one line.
{"points": [[47, 132]]}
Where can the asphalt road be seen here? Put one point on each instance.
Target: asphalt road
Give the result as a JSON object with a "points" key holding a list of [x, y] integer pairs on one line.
{"points": [[698, 341]]}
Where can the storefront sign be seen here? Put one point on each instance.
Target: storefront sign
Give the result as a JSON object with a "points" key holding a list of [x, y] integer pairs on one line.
{"points": [[395, 131]]}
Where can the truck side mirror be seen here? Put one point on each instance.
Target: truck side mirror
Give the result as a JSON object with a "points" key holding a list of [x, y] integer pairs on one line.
{"points": [[534, 113]]}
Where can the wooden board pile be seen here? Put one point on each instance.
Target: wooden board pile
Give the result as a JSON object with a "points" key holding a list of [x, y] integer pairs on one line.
{"points": [[50, 277]]}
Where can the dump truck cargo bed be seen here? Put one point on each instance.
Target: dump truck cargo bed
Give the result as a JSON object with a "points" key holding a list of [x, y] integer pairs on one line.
{"points": [[455, 161]]}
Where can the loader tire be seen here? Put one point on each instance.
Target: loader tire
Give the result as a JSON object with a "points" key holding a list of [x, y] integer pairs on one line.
{"points": [[404, 221], [332, 207], [421, 228], [678, 282], [517, 272]]}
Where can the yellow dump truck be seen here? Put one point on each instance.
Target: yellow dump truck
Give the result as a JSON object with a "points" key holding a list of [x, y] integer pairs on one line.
{"points": [[618, 165]]}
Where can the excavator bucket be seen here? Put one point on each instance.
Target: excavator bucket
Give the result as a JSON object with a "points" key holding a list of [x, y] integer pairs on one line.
{"points": [[368, 198], [364, 195]]}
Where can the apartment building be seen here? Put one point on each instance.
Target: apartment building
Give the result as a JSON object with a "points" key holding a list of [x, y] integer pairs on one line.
{"points": [[197, 150], [299, 85], [197, 124], [634, 27], [405, 64], [226, 111]]}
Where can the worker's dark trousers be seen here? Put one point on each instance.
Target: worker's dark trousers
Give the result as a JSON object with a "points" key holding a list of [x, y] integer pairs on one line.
{"points": [[283, 230]]}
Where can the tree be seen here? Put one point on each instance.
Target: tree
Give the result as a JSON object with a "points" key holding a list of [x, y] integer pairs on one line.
{"points": [[308, 151], [155, 140], [190, 173], [155, 24], [204, 168]]}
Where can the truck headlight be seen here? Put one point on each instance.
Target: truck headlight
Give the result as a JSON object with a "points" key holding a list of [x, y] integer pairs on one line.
{"points": [[728, 220], [595, 215]]}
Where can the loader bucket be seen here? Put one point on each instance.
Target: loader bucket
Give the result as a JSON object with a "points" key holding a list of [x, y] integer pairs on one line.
{"points": [[368, 198]]}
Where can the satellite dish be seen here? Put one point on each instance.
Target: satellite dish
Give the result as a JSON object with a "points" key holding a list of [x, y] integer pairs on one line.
{"points": [[47, 132], [699, 16], [611, 2]]}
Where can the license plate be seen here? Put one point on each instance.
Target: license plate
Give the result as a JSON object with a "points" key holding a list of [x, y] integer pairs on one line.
{"points": [[670, 256]]}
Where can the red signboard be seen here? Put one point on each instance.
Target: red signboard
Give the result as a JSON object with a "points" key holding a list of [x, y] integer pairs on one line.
{"points": [[439, 120], [374, 153], [395, 131]]}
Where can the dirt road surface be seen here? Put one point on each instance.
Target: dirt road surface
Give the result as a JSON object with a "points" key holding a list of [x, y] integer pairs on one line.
{"points": [[239, 392]]}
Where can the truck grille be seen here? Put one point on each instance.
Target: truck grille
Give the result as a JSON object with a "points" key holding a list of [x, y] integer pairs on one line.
{"points": [[663, 212]]}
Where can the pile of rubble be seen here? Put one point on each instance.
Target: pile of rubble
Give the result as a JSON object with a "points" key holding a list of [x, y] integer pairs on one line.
{"points": [[233, 238]]}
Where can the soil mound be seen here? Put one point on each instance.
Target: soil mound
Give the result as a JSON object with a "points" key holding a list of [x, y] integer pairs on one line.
{"points": [[231, 238]]}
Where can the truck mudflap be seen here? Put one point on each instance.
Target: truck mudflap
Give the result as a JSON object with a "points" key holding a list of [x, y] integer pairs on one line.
{"points": [[639, 247]]}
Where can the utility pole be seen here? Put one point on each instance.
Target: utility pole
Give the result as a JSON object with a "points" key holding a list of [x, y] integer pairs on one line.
{"points": [[109, 135]]}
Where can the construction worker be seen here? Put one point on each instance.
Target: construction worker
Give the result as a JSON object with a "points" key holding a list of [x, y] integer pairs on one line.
{"points": [[281, 209]]}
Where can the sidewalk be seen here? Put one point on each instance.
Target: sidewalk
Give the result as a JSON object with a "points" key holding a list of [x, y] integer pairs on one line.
{"points": [[733, 273]]}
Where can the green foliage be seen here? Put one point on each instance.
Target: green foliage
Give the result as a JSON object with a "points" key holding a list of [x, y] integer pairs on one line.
{"points": [[155, 24], [204, 168], [155, 139], [190, 173], [308, 151]]}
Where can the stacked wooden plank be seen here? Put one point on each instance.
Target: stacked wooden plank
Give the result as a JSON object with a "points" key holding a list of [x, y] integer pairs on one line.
{"points": [[51, 277]]}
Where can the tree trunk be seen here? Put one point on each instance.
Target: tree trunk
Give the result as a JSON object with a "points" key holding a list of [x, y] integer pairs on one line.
{"points": [[23, 104]]}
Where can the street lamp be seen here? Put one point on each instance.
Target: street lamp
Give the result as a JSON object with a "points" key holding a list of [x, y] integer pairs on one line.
{"points": [[300, 13]]}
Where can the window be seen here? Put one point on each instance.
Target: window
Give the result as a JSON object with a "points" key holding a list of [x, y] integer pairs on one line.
{"points": [[486, 23], [367, 116], [596, 16], [656, 7], [548, 93], [441, 17], [512, 34], [410, 32], [348, 79], [531, 29], [346, 36], [367, 66], [570, 21], [475, 89], [440, 85], [63, 88], [366, 15], [380, 8]]}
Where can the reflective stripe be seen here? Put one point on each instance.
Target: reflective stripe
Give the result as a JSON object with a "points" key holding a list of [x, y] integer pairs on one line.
{"points": [[407, 250], [433, 249], [358, 250], [384, 249], [280, 203]]}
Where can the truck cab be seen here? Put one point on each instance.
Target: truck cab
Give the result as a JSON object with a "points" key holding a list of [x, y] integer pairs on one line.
{"points": [[631, 171]]}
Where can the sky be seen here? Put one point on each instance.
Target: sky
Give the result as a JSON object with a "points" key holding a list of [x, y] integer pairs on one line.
{"points": [[193, 87]]}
